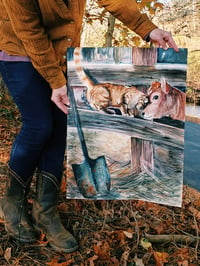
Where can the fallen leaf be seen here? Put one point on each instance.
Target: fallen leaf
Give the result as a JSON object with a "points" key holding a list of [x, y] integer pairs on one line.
{"points": [[7, 254], [63, 185], [102, 250], [195, 212], [145, 243], [128, 234], [42, 239], [159, 228], [160, 258], [182, 254], [124, 258], [183, 263], [63, 207], [138, 261], [54, 262], [92, 259]]}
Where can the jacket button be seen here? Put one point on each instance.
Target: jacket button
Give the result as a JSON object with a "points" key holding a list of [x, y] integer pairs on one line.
{"points": [[69, 39], [71, 22]]}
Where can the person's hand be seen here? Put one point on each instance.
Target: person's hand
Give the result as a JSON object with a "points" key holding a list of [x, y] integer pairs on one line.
{"points": [[59, 97], [163, 39]]}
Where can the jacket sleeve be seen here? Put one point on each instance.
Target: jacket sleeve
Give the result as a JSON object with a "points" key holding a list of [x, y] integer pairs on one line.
{"points": [[127, 11], [25, 19]]}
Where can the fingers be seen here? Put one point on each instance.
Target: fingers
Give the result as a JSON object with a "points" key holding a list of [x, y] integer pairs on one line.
{"points": [[61, 102], [171, 43], [163, 39], [59, 97]]}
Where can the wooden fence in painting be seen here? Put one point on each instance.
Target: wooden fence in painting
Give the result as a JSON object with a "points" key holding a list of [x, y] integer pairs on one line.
{"points": [[144, 134]]}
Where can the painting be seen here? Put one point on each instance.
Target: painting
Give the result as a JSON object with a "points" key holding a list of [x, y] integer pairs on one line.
{"points": [[125, 137]]}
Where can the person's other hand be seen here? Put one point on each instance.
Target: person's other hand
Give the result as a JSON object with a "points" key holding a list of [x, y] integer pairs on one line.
{"points": [[163, 39], [59, 97]]}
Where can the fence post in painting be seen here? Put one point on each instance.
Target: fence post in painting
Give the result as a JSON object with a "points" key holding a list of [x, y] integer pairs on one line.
{"points": [[142, 155], [147, 156], [144, 57]]}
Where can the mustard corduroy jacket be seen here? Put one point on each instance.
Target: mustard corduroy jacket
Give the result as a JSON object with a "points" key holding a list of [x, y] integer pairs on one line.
{"points": [[43, 29]]}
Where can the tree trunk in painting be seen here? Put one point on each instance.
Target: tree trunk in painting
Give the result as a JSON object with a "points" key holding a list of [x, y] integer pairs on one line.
{"points": [[142, 155], [117, 54], [144, 56]]}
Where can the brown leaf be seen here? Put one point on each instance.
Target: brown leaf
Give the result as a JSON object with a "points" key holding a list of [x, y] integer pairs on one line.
{"points": [[195, 212], [182, 254], [160, 258], [128, 234], [42, 239], [63, 185], [63, 207], [183, 263], [102, 250], [92, 259], [124, 258], [7, 254], [159, 228], [138, 261], [54, 262]]}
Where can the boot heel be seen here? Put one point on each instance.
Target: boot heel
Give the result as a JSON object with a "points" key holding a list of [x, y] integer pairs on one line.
{"points": [[14, 210], [46, 215]]}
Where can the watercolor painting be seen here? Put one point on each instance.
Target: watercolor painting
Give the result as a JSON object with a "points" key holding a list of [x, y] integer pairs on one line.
{"points": [[125, 137]]}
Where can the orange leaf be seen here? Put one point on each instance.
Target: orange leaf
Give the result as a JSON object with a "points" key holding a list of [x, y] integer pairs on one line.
{"points": [[160, 228], [92, 259], [42, 240], [63, 185], [54, 262], [160, 257], [195, 212], [102, 250], [183, 263]]}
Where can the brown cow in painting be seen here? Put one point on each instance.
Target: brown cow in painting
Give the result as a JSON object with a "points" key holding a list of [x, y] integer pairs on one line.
{"points": [[165, 100]]}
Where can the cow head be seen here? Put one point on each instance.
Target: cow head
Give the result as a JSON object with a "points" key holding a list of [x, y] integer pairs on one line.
{"points": [[157, 94]]}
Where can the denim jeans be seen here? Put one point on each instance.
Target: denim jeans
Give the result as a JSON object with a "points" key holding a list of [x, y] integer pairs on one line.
{"points": [[42, 139]]}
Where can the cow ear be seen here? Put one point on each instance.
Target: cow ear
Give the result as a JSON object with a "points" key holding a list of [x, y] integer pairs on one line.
{"points": [[164, 85]]}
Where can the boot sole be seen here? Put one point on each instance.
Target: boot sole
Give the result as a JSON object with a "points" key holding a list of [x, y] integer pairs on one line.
{"points": [[59, 249], [54, 247]]}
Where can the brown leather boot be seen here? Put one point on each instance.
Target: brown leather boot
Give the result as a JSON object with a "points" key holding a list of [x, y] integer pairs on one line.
{"points": [[46, 216], [13, 209]]}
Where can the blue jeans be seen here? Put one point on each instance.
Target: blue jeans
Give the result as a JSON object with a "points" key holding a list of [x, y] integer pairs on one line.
{"points": [[42, 139]]}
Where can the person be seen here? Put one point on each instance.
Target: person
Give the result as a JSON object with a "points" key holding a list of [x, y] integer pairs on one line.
{"points": [[34, 37]]}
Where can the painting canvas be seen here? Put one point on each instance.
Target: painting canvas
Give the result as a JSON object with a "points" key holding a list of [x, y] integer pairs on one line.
{"points": [[125, 137]]}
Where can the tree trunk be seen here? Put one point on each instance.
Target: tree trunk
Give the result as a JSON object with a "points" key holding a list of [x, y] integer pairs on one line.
{"points": [[109, 34]]}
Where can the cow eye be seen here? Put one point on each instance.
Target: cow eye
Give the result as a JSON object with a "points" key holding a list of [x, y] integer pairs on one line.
{"points": [[155, 97]]}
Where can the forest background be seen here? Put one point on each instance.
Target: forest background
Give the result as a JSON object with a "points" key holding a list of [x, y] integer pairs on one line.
{"points": [[118, 232]]}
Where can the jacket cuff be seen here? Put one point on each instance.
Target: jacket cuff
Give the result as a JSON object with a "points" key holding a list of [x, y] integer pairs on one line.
{"points": [[57, 81]]}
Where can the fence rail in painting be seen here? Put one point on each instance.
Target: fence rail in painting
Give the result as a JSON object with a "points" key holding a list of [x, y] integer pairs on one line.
{"points": [[134, 127], [144, 134]]}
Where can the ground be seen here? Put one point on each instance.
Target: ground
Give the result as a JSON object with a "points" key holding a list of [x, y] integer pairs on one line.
{"points": [[113, 232]]}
